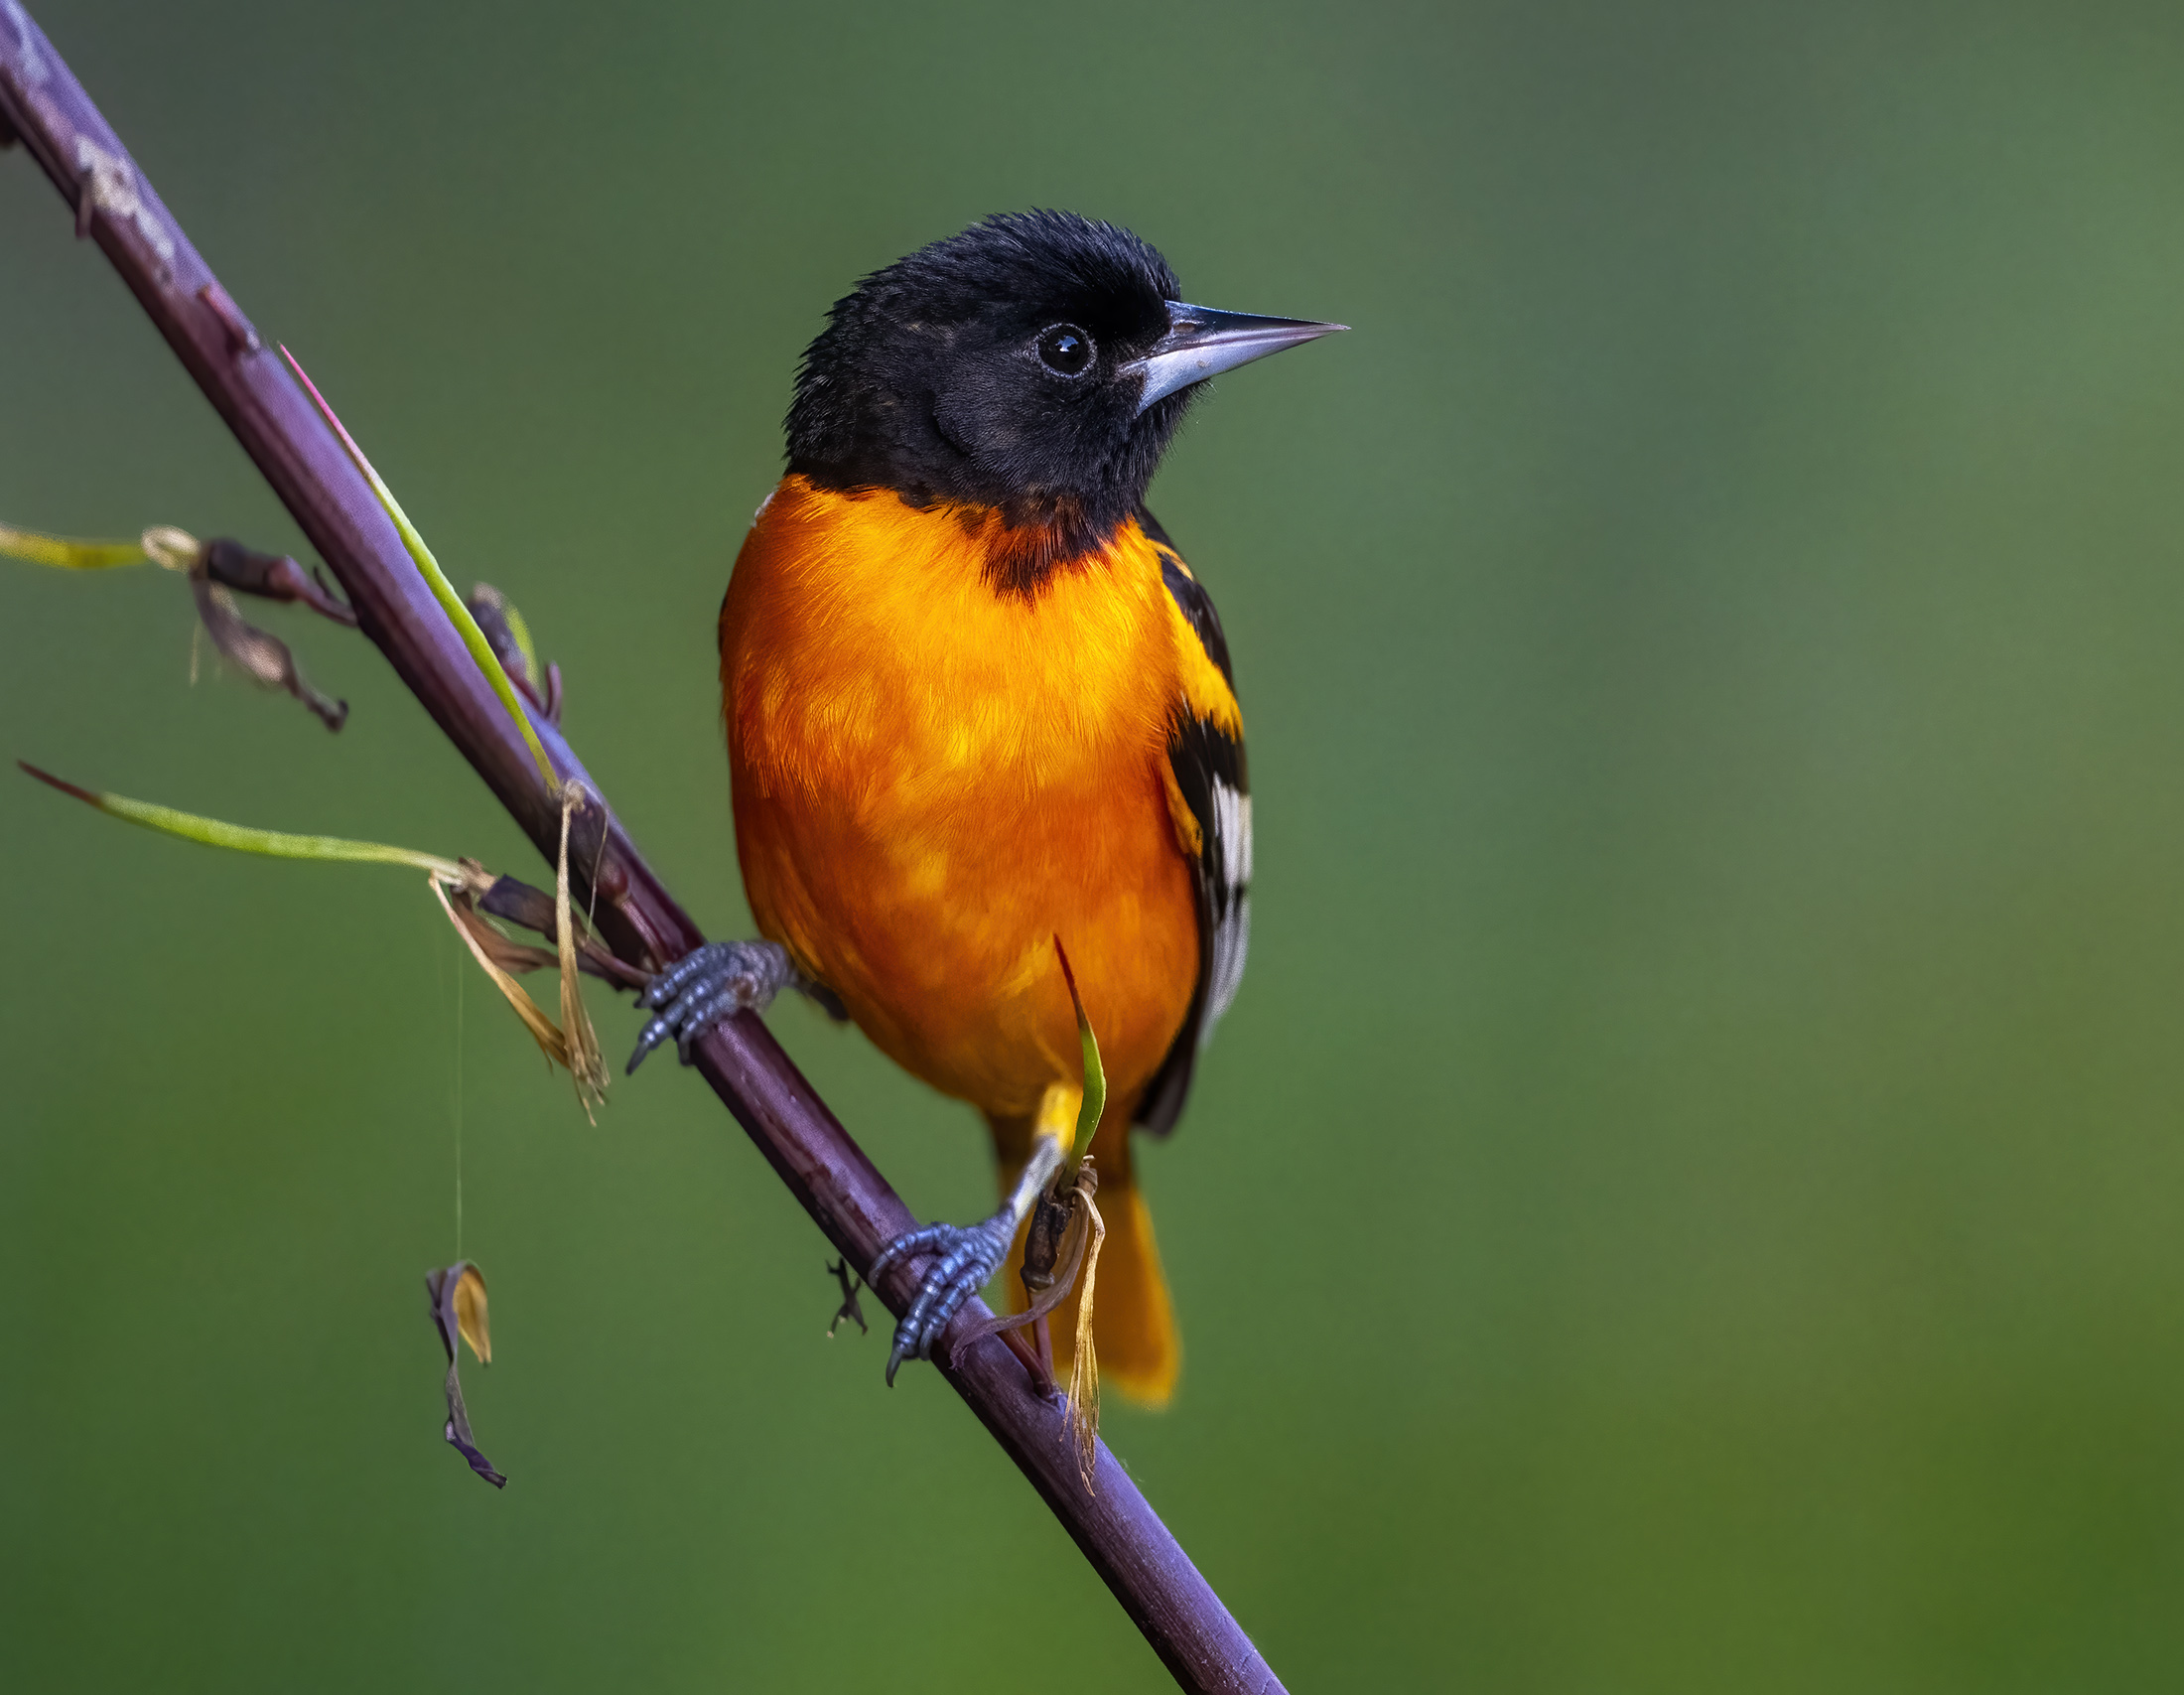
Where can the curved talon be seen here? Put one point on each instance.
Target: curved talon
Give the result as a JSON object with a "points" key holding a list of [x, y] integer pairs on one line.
{"points": [[968, 1255], [705, 986], [649, 1037]]}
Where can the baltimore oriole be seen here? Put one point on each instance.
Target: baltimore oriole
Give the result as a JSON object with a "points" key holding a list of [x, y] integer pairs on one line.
{"points": [[975, 700]]}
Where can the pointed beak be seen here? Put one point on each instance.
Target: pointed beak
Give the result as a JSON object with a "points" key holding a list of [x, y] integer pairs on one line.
{"points": [[1202, 343]]}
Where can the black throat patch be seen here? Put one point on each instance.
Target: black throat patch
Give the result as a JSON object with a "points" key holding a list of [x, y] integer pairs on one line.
{"points": [[992, 372]]}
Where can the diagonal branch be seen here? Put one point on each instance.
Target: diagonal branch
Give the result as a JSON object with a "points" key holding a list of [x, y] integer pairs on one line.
{"points": [[852, 1204]]}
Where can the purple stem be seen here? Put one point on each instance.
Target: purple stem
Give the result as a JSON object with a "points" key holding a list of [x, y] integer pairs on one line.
{"points": [[852, 1204]]}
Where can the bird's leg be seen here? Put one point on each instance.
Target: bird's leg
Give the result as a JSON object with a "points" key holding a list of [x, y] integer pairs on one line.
{"points": [[965, 1256], [710, 983]]}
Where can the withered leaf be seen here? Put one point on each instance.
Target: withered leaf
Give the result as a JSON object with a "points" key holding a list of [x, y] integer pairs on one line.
{"points": [[514, 957], [533, 908], [1083, 1415], [459, 1309], [258, 655], [544, 1031], [587, 1064]]}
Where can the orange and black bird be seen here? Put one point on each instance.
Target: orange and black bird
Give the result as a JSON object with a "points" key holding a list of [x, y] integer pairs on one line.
{"points": [[975, 701]]}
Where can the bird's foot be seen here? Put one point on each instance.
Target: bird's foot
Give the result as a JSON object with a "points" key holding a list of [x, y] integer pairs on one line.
{"points": [[707, 985], [965, 1257]]}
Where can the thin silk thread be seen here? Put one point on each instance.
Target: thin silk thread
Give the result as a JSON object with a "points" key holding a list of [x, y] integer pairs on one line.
{"points": [[460, 974], [590, 912]]}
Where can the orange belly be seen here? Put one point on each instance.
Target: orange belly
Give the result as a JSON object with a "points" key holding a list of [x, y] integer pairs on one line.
{"points": [[933, 778]]}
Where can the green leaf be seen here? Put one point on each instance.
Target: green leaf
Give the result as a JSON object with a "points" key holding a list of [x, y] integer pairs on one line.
{"points": [[1095, 1075], [240, 838], [459, 615], [35, 549]]}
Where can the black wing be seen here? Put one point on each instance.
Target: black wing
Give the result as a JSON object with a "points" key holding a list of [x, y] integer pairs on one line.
{"points": [[1215, 782]]}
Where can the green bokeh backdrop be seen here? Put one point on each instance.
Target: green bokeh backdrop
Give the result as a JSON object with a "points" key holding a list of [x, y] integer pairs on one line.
{"points": [[1688, 1197]]}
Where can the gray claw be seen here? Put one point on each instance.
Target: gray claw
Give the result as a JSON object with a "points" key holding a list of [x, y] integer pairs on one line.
{"points": [[707, 985], [966, 1257]]}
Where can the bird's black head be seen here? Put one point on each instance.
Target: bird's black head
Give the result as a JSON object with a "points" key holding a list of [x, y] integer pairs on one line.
{"points": [[1037, 364]]}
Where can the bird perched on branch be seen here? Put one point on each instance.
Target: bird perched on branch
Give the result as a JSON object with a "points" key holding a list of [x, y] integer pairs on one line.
{"points": [[975, 701]]}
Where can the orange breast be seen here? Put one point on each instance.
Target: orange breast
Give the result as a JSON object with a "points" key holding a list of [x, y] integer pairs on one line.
{"points": [[932, 779]]}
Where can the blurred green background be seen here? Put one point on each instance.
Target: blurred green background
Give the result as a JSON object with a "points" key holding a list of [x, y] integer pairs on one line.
{"points": [[1688, 1197]]}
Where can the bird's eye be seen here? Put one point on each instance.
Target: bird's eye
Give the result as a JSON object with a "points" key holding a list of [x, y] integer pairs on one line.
{"points": [[1065, 349]]}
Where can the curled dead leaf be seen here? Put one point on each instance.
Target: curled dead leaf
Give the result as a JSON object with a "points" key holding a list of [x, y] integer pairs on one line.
{"points": [[543, 1029], [533, 908], [257, 653], [587, 1064], [1084, 1367], [459, 1311], [514, 957]]}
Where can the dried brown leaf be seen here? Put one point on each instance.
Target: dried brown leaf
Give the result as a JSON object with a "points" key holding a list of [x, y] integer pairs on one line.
{"points": [[512, 956], [258, 655], [543, 1029], [1084, 1368], [451, 1289], [533, 910], [587, 1064]]}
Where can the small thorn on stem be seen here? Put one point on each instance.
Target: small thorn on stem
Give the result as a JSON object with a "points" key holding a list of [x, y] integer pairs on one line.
{"points": [[241, 338]]}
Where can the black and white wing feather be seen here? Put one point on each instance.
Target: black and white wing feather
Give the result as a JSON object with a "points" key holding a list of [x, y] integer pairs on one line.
{"points": [[1212, 774]]}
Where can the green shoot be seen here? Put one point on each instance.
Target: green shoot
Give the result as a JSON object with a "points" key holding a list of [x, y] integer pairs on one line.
{"points": [[427, 567], [1095, 1075], [63, 554], [239, 838]]}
